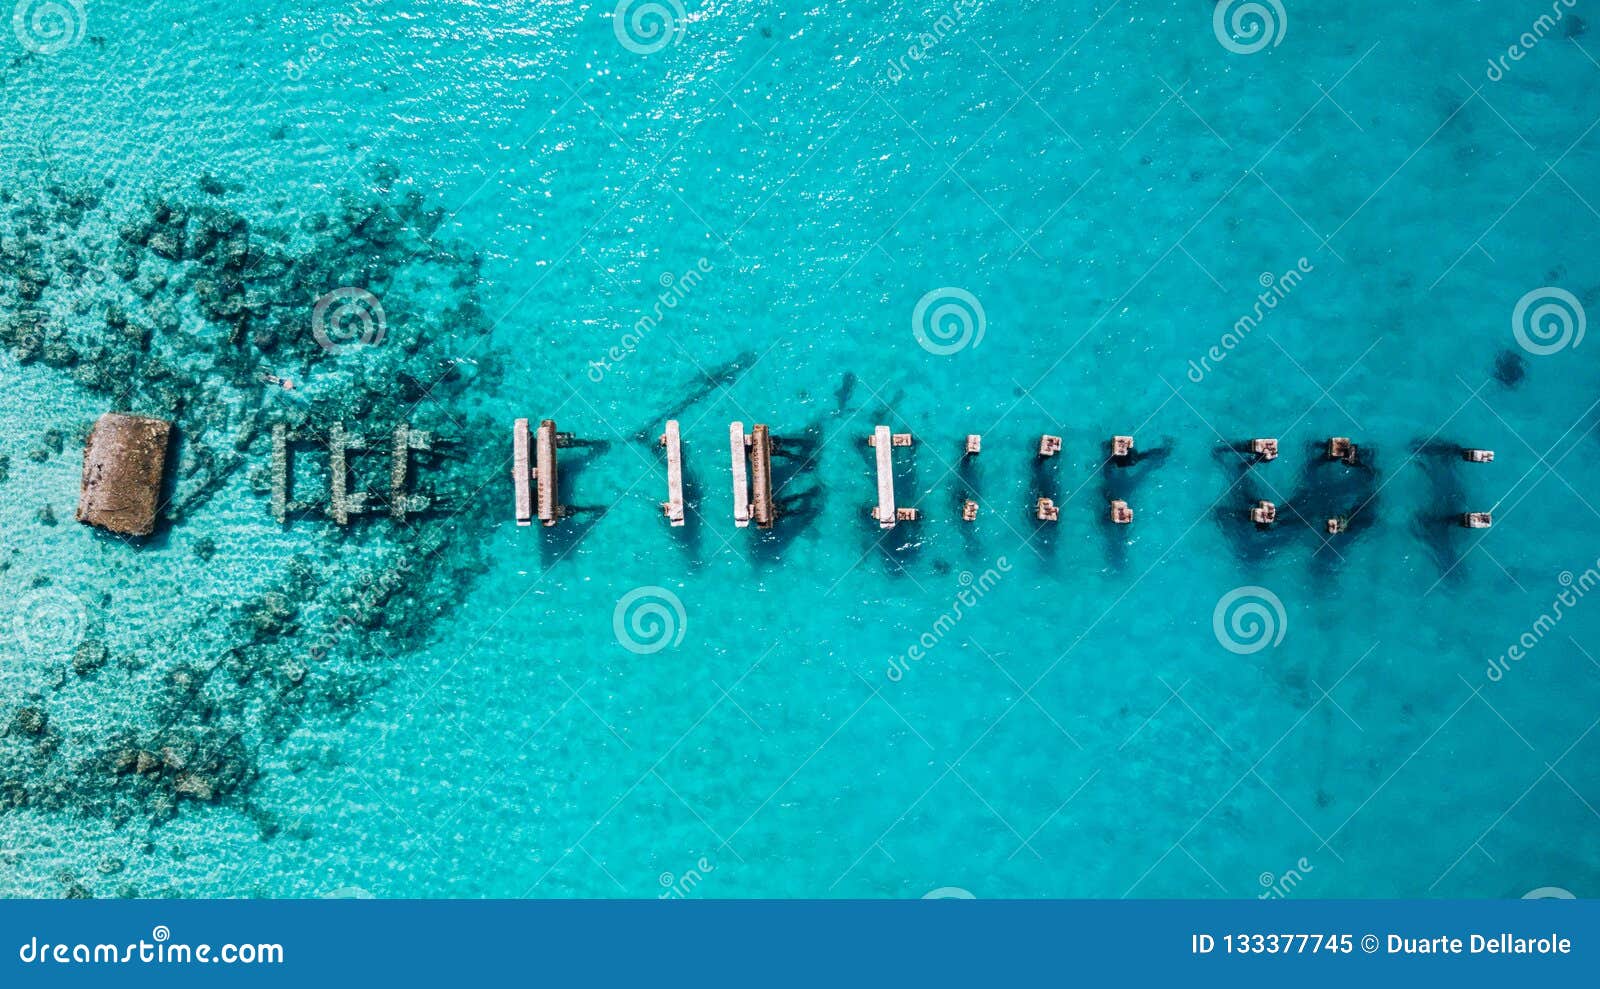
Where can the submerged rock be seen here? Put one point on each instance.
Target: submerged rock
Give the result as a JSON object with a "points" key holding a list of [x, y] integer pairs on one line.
{"points": [[30, 720]]}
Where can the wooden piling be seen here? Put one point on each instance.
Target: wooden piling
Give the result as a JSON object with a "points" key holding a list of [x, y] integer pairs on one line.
{"points": [[673, 506], [761, 476], [545, 473]]}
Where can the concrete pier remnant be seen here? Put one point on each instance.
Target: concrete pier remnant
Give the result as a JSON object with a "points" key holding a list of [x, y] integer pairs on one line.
{"points": [[672, 442], [343, 503], [883, 443], [1264, 514], [752, 475], [740, 450], [522, 470], [401, 501], [123, 462]]}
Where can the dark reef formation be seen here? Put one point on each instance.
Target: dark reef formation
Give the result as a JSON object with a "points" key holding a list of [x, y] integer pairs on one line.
{"points": [[188, 309]]}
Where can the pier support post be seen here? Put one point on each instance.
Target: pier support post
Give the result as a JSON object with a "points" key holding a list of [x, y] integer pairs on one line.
{"points": [[673, 506]]}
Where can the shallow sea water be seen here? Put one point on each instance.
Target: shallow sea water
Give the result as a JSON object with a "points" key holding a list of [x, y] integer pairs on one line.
{"points": [[1110, 183]]}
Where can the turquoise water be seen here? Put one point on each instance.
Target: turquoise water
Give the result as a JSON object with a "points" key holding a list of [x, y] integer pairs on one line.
{"points": [[1110, 183]]}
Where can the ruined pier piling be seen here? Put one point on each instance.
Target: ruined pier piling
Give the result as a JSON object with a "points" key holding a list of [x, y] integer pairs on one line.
{"points": [[345, 501], [673, 444], [883, 443], [536, 488], [123, 462], [751, 458]]}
